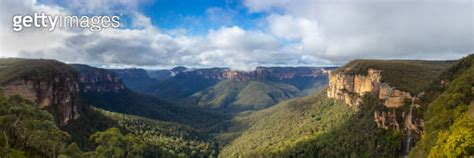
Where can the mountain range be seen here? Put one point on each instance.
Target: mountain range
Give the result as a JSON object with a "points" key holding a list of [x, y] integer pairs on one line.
{"points": [[366, 108]]}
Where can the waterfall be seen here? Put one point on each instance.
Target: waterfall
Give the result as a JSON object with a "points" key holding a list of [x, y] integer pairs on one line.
{"points": [[409, 118]]}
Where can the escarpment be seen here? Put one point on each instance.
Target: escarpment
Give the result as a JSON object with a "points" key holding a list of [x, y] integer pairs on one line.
{"points": [[397, 84], [51, 84], [96, 80], [268, 73], [350, 88]]}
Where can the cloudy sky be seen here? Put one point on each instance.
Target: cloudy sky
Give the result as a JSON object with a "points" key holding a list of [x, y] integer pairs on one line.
{"points": [[242, 34]]}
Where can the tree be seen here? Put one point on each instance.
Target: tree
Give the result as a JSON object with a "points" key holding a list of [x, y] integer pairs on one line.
{"points": [[27, 129], [73, 151], [112, 143], [458, 141]]}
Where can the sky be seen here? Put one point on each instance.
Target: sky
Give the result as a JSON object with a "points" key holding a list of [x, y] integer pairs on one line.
{"points": [[244, 34]]}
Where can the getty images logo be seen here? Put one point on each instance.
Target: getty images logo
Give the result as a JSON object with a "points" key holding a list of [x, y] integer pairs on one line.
{"points": [[51, 22]]}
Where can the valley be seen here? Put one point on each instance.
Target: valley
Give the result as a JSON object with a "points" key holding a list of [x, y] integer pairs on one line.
{"points": [[365, 108]]}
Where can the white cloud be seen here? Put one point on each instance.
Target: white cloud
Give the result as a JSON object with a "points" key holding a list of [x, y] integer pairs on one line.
{"points": [[100, 6], [235, 38], [145, 45], [32, 39], [298, 33], [342, 30]]}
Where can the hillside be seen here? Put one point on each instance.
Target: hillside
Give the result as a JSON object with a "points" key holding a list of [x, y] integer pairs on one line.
{"points": [[281, 126], [449, 114], [373, 128], [244, 95], [106, 91], [36, 135], [233, 91], [314, 126], [166, 139], [185, 82]]}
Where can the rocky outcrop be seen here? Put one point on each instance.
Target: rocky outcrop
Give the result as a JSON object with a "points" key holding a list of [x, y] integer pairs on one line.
{"points": [[350, 88], [394, 115], [96, 80], [391, 119], [55, 90]]}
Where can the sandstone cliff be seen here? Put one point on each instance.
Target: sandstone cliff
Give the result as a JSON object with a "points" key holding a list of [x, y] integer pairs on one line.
{"points": [[397, 84], [350, 88], [96, 80], [51, 84], [273, 73]]}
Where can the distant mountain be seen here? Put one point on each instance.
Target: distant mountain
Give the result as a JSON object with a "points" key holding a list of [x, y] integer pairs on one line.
{"points": [[104, 89], [160, 74], [185, 82], [231, 95], [95, 80], [230, 90], [137, 79]]}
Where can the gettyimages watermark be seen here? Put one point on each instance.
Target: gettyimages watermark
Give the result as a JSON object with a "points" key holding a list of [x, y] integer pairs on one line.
{"points": [[52, 22]]}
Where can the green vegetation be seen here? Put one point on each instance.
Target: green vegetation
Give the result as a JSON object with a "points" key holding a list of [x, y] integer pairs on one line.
{"points": [[112, 143], [27, 131], [412, 76], [182, 86], [449, 118], [282, 126], [87, 124], [358, 136], [244, 95], [458, 140], [129, 102], [312, 126], [167, 139], [29, 69]]}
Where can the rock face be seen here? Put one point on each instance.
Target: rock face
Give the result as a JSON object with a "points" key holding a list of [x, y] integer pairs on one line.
{"points": [[272, 73], [59, 94], [350, 88], [96, 80], [57, 90]]}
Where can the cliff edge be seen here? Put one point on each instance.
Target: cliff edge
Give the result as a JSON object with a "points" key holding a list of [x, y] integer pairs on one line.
{"points": [[51, 84]]}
